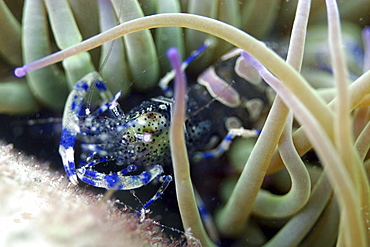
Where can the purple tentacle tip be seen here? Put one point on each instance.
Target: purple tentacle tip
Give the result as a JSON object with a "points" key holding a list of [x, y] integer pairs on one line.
{"points": [[173, 55], [366, 36], [175, 60], [256, 64], [366, 32], [247, 57], [20, 72]]}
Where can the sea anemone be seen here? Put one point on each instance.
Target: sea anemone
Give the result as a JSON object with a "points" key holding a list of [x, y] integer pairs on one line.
{"points": [[333, 122]]}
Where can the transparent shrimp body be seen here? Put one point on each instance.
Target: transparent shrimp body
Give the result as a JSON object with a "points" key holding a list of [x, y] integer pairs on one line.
{"points": [[123, 139]]}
